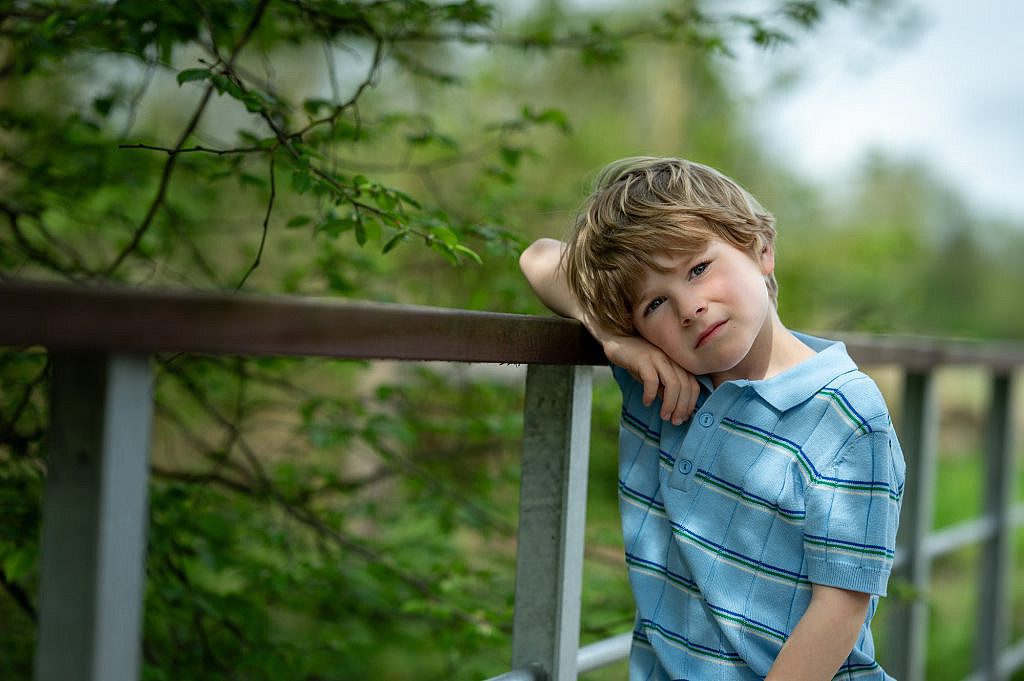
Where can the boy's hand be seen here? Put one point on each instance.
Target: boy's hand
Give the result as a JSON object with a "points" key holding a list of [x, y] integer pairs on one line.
{"points": [[541, 264], [658, 374]]}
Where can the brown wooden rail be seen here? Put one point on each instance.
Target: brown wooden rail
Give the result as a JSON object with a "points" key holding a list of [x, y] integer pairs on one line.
{"points": [[131, 320], [66, 317]]}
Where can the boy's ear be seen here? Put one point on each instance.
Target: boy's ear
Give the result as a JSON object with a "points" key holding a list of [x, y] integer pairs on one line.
{"points": [[767, 259]]}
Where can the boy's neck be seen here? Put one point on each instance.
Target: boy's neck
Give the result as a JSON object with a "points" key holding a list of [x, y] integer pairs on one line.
{"points": [[776, 350]]}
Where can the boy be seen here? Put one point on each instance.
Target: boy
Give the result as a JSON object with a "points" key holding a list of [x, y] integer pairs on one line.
{"points": [[760, 533]]}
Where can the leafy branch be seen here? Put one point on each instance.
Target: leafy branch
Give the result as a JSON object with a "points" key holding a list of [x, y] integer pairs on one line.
{"points": [[168, 168]]}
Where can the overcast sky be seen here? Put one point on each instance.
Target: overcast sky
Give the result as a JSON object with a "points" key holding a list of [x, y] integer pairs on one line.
{"points": [[950, 91]]}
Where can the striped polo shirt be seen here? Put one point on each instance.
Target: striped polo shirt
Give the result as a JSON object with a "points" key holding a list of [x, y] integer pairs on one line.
{"points": [[728, 519]]}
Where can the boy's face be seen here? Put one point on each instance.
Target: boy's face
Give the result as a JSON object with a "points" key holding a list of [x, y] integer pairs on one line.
{"points": [[710, 311]]}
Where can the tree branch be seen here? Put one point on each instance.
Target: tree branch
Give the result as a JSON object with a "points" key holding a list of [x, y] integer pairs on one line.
{"points": [[168, 169], [266, 226]]}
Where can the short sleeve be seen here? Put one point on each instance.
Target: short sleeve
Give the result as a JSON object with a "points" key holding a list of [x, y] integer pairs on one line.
{"points": [[852, 512]]}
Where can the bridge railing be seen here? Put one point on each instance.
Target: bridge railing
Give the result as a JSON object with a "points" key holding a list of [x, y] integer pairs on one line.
{"points": [[92, 553]]}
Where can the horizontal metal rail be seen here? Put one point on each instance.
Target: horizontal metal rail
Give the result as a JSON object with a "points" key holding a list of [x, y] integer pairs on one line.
{"points": [[590, 657], [604, 652]]}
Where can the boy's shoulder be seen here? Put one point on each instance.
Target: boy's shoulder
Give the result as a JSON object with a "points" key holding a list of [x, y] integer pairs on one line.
{"points": [[857, 393]]}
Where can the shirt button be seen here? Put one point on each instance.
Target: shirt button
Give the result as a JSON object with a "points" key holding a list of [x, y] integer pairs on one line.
{"points": [[705, 419], [685, 466]]}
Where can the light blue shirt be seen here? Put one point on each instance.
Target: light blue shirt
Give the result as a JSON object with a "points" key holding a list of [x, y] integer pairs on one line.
{"points": [[728, 519]]}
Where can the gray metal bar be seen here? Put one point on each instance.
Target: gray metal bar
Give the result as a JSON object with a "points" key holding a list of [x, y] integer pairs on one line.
{"points": [[604, 652], [967, 532], [1010, 660], [552, 514], [94, 519], [997, 557], [908, 637], [964, 533]]}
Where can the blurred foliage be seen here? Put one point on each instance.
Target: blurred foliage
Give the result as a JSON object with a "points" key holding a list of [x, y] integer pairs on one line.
{"points": [[321, 520]]}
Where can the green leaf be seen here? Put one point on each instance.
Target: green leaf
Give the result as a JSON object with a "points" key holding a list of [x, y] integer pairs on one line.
{"points": [[554, 117], [307, 150], [335, 226], [445, 235], [445, 250], [223, 582], [17, 564], [227, 86], [252, 180], [313, 106], [394, 241], [302, 181], [298, 221], [386, 200], [511, 156], [405, 198], [469, 253], [372, 230], [189, 75], [253, 102]]}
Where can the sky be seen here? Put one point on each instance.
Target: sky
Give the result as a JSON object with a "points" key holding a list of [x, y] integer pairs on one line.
{"points": [[941, 81]]}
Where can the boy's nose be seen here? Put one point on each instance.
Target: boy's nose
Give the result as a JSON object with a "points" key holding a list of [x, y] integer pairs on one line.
{"points": [[695, 312]]}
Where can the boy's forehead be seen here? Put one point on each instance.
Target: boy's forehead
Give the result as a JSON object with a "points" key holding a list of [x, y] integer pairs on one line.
{"points": [[673, 254]]}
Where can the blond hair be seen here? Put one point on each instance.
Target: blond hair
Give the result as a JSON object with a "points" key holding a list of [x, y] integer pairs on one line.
{"points": [[646, 207]]}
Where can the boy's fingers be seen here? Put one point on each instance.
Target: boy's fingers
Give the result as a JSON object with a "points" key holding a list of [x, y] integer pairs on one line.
{"points": [[651, 383], [670, 397], [689, 401], [684, 401]]}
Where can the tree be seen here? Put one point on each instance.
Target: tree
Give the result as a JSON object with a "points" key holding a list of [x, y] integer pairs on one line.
{"points": [[192, 143]]}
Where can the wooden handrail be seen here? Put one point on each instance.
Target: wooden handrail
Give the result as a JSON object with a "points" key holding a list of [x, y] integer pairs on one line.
{"points": [[123, 319], [112, 319]]}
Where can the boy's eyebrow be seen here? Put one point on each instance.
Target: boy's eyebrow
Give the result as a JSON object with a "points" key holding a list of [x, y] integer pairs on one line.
{"points": [[678, 261]]}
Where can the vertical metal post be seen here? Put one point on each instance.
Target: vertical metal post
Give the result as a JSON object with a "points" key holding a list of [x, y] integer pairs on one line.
{"points": [[908, 639], [997, 552], [552, 515], [94, 519]]}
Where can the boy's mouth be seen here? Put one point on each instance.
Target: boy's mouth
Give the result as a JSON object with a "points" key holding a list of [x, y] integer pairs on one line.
{"points": [[708, 333]]}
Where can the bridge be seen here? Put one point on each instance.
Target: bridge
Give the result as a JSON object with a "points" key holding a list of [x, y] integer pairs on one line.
{"points": [[101, 341]]}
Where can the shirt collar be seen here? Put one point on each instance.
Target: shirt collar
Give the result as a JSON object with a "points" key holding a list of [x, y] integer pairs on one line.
{"points": [[792, 387]]}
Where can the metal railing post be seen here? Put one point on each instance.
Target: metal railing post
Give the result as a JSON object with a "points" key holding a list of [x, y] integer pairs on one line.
{"points": [[93, 544], [552, 514], [908, 639], [996, 561]]}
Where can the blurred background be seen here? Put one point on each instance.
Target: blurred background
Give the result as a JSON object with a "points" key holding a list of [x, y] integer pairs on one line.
{"points": [[343, 520]]}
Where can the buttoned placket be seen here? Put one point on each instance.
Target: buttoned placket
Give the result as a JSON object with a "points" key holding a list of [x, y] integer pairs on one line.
{"points": [[694, 447]]}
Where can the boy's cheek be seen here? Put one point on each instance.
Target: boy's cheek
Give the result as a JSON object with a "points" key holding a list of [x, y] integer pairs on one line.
{"points": [[662, 341]]}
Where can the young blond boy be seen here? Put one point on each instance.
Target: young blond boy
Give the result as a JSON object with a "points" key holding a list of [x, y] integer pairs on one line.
{"points": [[759, 533]]}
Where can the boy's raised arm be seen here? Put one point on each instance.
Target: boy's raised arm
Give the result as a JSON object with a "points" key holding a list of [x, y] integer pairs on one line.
{"points": [[541, 264]]}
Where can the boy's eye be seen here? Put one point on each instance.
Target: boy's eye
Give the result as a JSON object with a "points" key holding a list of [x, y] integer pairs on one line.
{"points": [[699, 269], [653, 305]]}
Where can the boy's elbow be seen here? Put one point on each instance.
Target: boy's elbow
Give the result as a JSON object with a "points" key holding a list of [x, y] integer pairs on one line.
{"points": [[540, 257], [527, 257]]}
